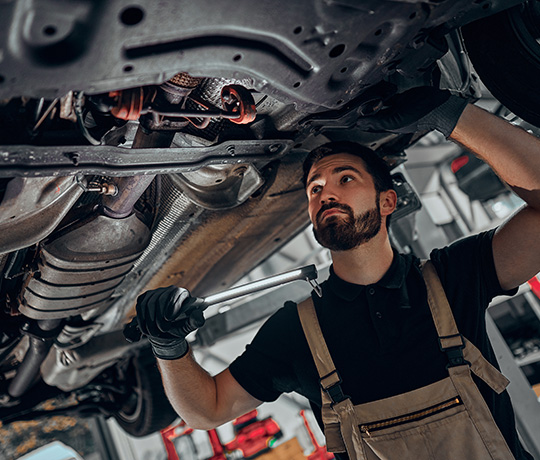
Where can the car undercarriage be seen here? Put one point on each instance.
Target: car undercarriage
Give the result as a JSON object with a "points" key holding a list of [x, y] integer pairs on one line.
{"points": [[145, 144]]}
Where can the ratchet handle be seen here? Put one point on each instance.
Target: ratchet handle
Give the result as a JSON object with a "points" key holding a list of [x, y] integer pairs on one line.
{"points": [[179, 311]]}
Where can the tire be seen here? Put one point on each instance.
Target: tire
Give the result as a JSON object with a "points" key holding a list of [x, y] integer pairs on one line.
{"points": [[147, 410], [506, 54]]}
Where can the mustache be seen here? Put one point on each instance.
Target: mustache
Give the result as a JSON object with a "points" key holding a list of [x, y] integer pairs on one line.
{"points": [[325, 207]]}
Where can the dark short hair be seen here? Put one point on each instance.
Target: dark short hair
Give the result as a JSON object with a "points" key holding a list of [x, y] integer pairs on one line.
{"points": [[375, 165]]}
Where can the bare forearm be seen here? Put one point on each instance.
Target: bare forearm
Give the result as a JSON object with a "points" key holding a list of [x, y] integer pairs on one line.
{"points": [[511, 152], [204, 402], [190, 389]]}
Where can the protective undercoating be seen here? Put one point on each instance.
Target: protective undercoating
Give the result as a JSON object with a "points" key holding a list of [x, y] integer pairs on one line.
{"points": [[226, 245], [206, 251]]}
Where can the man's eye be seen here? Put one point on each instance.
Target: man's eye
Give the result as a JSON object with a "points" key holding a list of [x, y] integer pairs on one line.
{"points": [[346, 179], [315, 189]]}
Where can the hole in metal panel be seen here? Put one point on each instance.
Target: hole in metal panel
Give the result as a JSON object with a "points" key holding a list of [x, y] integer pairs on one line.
{"points": [[337, 50], [132, 15], [49, 30]]}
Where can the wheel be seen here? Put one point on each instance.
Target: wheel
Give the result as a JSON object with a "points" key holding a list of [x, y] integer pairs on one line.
{"points": [[505, 51], [147, 408]]}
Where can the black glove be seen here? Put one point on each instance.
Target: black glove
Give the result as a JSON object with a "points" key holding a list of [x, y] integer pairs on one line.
{"points": [[166, 316], [417, 109]]}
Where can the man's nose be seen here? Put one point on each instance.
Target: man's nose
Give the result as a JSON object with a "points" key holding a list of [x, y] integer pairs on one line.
{"points": [[328, 195]]}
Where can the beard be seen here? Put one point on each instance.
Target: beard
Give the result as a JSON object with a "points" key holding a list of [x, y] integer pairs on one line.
{"points": [[341, 233]]}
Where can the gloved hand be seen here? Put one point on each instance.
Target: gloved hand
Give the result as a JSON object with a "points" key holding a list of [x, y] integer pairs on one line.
{"points": [[166, 316], [417, 109]]}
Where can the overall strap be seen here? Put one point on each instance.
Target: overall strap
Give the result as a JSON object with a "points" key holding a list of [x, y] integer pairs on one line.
{"points": [[338, 414], [329, 378], [458, 349]]}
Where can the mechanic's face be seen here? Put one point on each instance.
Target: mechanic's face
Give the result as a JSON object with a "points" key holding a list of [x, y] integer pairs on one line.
{"points": [[344, 206]]}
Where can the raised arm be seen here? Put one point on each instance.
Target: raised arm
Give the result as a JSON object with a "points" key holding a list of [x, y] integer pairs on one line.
{"points": [[514, 155], [166, 316]]}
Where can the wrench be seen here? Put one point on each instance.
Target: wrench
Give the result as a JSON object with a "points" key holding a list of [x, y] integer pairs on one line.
{"points": [[307, 273]]}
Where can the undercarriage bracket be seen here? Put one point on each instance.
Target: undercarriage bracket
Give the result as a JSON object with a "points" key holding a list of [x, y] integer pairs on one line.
{"points": [[38, 161]]}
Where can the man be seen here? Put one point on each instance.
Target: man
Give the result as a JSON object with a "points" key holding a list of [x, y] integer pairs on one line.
{"points": [[374, 312]]}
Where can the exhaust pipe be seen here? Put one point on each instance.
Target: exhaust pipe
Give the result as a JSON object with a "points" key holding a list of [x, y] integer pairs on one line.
{"points": [[131, 188], [36, 354]]}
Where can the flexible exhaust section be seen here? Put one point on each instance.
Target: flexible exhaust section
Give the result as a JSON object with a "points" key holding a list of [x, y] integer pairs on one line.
{"points": [[36, 354]]}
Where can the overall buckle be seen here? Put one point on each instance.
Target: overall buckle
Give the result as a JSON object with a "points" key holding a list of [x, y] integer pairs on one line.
{"points": [[452, 346], [331, 384]]}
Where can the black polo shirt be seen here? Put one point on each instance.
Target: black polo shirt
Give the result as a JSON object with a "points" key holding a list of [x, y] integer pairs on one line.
{"points": [[382, 337]]}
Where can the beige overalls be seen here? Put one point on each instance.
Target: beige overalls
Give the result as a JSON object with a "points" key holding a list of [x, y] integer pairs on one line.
{"points": [[447, 420]]}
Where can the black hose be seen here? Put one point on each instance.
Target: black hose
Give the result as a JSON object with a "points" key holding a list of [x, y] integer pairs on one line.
{"points": [[78, 106], [36, 354]]}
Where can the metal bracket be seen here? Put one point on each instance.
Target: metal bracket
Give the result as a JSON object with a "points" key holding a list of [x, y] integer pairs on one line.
{"points": [[38, 161]]}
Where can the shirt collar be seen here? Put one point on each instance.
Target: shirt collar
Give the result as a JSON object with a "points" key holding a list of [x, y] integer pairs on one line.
{"points": [[395, 276], [393, 279]]}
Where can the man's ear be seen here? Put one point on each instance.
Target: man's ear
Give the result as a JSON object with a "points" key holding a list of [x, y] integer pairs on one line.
{"points": [[387, 202]]}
